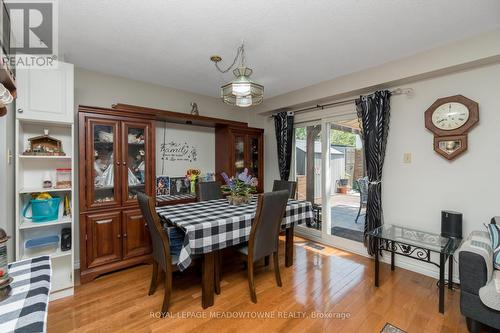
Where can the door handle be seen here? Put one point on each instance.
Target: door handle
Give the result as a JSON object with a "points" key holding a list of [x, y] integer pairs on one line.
{"points": [[104, 221], [124, 163], [124, 235], [118, 236], [20, 110]]}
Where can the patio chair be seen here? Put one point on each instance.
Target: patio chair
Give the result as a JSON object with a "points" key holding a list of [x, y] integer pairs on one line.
{"points": [[363, 194]]}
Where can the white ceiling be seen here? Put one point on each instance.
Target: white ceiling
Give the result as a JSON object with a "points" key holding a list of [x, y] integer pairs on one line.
{"points": [[289, 44]]}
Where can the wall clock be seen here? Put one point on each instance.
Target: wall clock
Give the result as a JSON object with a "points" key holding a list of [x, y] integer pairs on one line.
{"points": [[450, 119]]}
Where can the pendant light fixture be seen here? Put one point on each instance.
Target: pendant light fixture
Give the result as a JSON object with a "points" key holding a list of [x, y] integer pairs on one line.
{"points": [[242, 91]]}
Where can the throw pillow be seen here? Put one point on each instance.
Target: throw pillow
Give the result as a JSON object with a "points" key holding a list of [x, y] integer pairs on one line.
{"points": [[494, 230]]}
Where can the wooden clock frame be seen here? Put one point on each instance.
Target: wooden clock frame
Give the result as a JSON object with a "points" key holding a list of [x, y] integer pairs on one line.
{"points": [[458, 134]]}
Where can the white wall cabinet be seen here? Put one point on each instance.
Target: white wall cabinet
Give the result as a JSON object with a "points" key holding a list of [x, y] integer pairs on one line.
{"points": [[46, 100], [46, 94]]}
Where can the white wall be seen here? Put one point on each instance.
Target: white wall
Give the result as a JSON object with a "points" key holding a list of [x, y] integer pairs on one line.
{"points": [[7, 187], [202, 139], [414, 194], [98, 89]]}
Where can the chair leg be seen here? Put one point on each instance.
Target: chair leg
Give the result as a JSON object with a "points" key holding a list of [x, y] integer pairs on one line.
{"points": [[154, 277], [168, 292], [359, 213], [277, 269], [251, 284], [266, 261]]}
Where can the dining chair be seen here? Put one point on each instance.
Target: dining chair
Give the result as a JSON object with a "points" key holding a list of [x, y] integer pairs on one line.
{"points": [[162, 258], [363, 195], [264, 239], [291, 186], [209, 191]]}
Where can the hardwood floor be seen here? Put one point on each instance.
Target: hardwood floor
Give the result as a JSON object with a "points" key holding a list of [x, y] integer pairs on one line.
{"points": [[328, 283]]}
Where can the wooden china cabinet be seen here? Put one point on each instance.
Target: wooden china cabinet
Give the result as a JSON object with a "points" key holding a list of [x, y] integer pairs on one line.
{"points": [[237, 148], [116, 161]]}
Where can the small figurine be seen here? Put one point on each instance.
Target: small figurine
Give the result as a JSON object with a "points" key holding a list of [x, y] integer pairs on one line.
{"points": [[194, 109]]}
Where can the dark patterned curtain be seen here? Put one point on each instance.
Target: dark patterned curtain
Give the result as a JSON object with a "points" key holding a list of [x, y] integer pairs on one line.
{"points": [[373, 113], [283, 124]]}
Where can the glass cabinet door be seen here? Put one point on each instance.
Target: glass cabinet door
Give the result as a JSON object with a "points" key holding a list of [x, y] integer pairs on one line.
{"points": [[239, 154], [102, 169], [135, 164], [254, 151]]}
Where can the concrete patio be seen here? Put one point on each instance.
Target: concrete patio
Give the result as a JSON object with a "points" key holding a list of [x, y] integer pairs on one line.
{"points": [[344, 209]]}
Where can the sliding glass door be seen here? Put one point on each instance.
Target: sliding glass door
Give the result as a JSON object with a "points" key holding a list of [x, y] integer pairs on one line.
{"points": [[329, 169], [307, 167]]}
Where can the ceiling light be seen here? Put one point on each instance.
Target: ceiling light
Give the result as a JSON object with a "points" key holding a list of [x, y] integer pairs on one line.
{"points": [[242, 91]]}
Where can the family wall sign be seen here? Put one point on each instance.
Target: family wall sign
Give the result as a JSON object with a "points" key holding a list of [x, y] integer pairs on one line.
{"points": [[174, 151]]}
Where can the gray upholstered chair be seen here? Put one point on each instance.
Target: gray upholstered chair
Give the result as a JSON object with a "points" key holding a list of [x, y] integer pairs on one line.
{"points": [[363, 194], [161, 249], [291, 186], [209, 191], [264, 234]]}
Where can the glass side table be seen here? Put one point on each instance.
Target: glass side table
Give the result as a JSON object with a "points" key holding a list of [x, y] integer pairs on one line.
{"points": [[419, 245]]}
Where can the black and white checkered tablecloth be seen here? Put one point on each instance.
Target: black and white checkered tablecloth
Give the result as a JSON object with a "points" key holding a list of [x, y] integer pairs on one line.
{"points": [[215, 224], [167, 198], [25, 310]]}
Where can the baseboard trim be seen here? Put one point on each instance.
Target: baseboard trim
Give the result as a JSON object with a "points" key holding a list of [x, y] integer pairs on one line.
{"points": [[61, 294], [401, 262]]}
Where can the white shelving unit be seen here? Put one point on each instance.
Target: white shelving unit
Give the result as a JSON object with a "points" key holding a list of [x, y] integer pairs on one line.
{"points": [[32, 120]]}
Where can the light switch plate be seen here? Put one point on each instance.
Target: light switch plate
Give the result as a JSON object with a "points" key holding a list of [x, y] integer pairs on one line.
{"points": [[407, 158]]}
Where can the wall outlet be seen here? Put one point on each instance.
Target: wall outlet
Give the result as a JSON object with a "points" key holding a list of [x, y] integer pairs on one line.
{"points": [[407, 158]]}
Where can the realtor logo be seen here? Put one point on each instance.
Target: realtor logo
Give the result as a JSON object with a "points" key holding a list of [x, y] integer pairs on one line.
{"points": [[33, 33]]}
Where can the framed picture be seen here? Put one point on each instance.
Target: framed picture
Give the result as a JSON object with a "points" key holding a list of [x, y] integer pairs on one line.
{"points": [[179, 185], [162, 185]]}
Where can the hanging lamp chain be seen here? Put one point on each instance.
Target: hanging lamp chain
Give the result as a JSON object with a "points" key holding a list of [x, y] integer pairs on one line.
{"points": [[239, 53]]}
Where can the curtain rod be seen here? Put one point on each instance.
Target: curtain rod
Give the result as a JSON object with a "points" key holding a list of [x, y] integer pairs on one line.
{"points": [[398, 91]]}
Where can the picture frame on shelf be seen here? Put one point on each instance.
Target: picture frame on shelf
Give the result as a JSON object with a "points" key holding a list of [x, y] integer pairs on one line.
{"points": [[162, 185], [179, 185]]}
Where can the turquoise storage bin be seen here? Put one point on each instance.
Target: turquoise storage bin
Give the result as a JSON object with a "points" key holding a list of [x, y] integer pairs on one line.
{"points": [[43, 210]]}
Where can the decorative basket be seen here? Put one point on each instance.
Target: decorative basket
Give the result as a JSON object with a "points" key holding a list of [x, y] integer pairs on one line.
{"points": [[238, 200]]}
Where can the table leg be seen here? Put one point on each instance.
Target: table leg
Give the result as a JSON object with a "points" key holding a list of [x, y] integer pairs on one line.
{"points": [[442, 262], [289, 247], [207, 283], [376, 261], [217, 271], [392, 256], [450, 273]]}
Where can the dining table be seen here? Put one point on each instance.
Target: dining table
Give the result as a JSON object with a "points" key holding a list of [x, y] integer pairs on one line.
{"points": [[213, 225], [25, 307]]}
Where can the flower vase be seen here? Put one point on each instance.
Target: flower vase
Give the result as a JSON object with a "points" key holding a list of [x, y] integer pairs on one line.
{"points": [[193, 186]]}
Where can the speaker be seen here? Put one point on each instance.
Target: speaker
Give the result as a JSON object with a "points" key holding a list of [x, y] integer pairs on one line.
{"points": [[451, 224], [65, 239]]}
